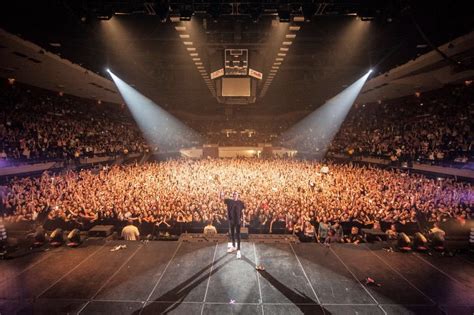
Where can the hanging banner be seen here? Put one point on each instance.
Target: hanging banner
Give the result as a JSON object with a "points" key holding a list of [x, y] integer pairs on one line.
{"points": [[255, 74], [216, 74]]}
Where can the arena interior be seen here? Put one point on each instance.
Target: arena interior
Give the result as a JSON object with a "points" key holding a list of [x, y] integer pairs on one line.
{"points": [[236, 157]]}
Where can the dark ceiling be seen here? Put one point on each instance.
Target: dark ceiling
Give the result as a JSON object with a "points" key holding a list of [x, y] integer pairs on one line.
{"points": [[327, 54]]}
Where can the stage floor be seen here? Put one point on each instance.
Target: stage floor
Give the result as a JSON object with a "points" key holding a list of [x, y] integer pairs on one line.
{"points": [[201, 278]]}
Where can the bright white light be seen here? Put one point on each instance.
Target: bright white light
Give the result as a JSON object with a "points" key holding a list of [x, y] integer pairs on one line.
{"points": [[370, 71], [107, 69], [161, 129], [319, 128]]}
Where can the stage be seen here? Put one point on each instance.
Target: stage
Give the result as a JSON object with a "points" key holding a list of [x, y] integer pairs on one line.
{"points": [[201, 278]]}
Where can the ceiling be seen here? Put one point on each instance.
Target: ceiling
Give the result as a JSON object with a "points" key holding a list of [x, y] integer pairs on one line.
{"points": [[326, 54]]}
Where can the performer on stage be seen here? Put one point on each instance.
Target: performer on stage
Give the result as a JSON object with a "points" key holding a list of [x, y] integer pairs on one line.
{"points": [[235, 209]]}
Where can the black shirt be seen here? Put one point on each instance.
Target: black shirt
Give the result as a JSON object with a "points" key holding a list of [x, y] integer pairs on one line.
{"points": [[234, 210]]}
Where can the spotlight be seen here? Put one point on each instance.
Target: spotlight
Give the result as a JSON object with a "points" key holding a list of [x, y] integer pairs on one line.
{"points": [[163, 10], [56, 237], [308, 11], [186, 13], [74, 238], [284, 14], [404, 243], [420, 242], [370, 71], [104, 14], [108, 70]]}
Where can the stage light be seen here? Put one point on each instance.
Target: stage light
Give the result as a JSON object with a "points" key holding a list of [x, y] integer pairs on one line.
{"points": [[74, 238], [104, 14], [159, 128], [186, 13], [404, 243], [319, 128], [420, 242], [56, 237], [308, 11], [108, 70], [284, 15], [370, 71]]}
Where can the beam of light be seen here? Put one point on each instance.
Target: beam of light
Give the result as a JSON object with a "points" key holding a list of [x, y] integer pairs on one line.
{"points": [[316, 131], [161, 130]]}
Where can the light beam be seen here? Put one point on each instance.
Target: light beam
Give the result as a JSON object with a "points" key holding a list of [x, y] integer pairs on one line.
{"points": [[315, 132], [161, 129]]}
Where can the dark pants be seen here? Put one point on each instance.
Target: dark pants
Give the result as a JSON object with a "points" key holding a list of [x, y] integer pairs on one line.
{"points": [[235, 231]]}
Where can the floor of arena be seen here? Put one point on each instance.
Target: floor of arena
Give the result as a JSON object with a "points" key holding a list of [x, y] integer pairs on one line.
{"points": [[201, 278]]}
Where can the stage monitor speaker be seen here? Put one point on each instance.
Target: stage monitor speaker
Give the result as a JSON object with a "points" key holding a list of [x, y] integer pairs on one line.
{"points": [[56, 238], [74, 238], [101, 230], [404, 242], [420, 242]]}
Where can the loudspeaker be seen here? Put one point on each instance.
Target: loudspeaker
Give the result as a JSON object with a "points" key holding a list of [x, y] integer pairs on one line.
{"points": [[101, 230], [420, 242], [39, 236], [56, 237], [404, 242], [74, 238]]}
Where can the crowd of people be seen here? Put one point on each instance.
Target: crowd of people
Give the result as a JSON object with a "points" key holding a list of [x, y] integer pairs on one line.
{"points": [[280, 196], [41, 125], [431, 128]]}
